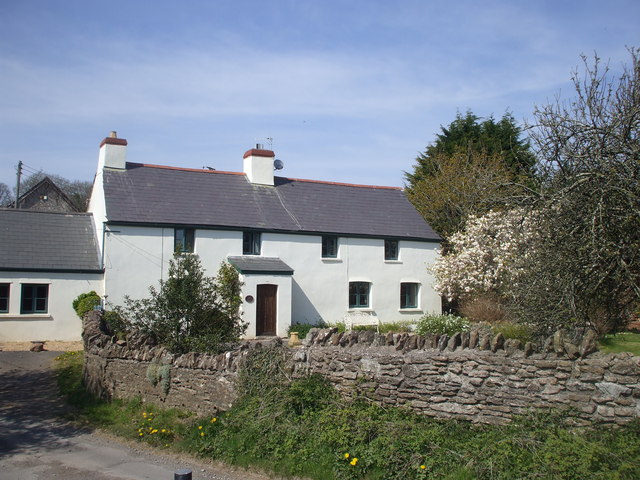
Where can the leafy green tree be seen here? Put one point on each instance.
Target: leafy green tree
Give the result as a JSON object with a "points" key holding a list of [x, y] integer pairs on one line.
{"points": [[190, 311], [464, 183], [468, 133], [473, 167]]}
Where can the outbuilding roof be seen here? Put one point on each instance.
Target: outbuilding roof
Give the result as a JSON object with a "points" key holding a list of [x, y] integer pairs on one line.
{"points": [[45, 241], [155, 194]]}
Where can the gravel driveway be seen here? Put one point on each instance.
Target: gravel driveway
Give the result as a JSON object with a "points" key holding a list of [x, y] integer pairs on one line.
{"points": [[35, 444]]}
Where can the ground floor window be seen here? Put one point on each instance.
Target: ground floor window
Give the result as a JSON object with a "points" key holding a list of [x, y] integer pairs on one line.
{"points": [[359, 294], [4, 297], [409, 295], [35, 298]]}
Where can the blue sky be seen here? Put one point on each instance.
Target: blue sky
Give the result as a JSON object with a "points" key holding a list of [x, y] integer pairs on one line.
{"points": [[349, 91]]}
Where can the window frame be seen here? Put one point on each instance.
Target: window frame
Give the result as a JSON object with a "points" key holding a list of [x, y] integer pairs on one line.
{"points": [[189, 234], [34, 297], [358, 295], [391, 249], [251, 242], [329, 246], [5, 297], [406, 295]]}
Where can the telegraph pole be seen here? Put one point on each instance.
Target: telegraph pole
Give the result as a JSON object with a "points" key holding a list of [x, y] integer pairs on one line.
{"points": [[18, 183]]}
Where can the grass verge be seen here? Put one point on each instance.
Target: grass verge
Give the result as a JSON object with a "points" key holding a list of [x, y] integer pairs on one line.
{"points": [[621, 342], [304, 428]]}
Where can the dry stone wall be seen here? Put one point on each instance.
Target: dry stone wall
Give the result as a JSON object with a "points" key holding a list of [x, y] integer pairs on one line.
{"points": [[470, 376]]}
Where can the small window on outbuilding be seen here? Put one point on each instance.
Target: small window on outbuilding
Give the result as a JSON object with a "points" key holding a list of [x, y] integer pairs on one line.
{"points": [[391, 249], [409, 295], [251, 243], [4, 297], [184, 240], [35, 298], [329, 246], [359, 294]]}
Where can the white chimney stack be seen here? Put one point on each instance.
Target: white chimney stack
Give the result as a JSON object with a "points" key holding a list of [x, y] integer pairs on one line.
{"points": [[258, 165], [113, 153]]}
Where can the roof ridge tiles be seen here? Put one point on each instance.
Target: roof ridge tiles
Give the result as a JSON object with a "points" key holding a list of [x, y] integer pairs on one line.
{"points": [[323, 182]]}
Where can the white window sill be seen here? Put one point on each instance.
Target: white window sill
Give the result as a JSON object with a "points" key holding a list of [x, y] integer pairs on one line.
{"points": [[393, 261], [331, 260], [410, 310], [26, 316], [364, 309]]}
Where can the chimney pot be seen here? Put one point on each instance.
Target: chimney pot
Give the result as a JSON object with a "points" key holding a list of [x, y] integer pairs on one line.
{"points": [[113, 134]]}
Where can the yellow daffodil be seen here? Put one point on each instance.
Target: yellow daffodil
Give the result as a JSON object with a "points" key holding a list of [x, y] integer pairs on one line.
{"points": [[202, 434], [199, 427], [214, 420], [422, 467], [346, 455], [354, 461]]}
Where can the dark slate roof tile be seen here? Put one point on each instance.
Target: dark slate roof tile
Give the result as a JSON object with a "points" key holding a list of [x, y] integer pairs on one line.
{"points": [[166, 195], [257, 264], [31, 240]]}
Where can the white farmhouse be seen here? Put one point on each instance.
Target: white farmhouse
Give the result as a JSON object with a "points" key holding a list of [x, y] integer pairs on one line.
{"points": [[306, 250]]}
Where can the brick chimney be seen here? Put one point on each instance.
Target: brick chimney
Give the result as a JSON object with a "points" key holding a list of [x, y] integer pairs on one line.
{"points": [[113, 153], [258, 165]]}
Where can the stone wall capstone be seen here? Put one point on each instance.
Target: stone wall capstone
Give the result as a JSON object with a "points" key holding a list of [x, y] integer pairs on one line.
{"points": [[471, 376]]}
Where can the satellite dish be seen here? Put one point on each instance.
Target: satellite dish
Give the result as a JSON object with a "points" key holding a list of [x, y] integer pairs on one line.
{"points": [[278, 164]]}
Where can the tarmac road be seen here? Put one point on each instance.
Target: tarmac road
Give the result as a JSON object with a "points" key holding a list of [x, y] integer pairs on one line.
{"points": [[36, 444]]}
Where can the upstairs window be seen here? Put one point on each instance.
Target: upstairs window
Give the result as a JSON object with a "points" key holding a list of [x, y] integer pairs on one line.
{"points": [[184, 240], [391, 249], [329, 246], [35, 298], [409, 295], [4, 298], [359, 294], [251, 243]]}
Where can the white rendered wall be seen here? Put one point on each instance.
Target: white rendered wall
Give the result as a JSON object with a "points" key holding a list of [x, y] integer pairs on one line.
{"points": [[60, 322], [321, 286], [137, 257]]}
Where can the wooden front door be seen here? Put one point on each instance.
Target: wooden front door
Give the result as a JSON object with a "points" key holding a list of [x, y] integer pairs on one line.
{"points": [[266, 313]]}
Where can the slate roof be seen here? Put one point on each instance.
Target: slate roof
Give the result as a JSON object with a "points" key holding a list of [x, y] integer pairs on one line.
{"points": [[256, 264], [202, 198], [45, 241]]}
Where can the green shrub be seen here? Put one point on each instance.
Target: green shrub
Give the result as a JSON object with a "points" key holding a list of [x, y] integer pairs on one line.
{"points": [[303, 328], [341, 326], [518, 331], [85, 302], [191, 312], [397, 327], [116, 324], [442, 324]]}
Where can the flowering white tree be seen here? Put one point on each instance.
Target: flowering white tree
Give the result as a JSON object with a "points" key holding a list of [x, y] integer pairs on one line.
{"points": [[488, 257]]}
